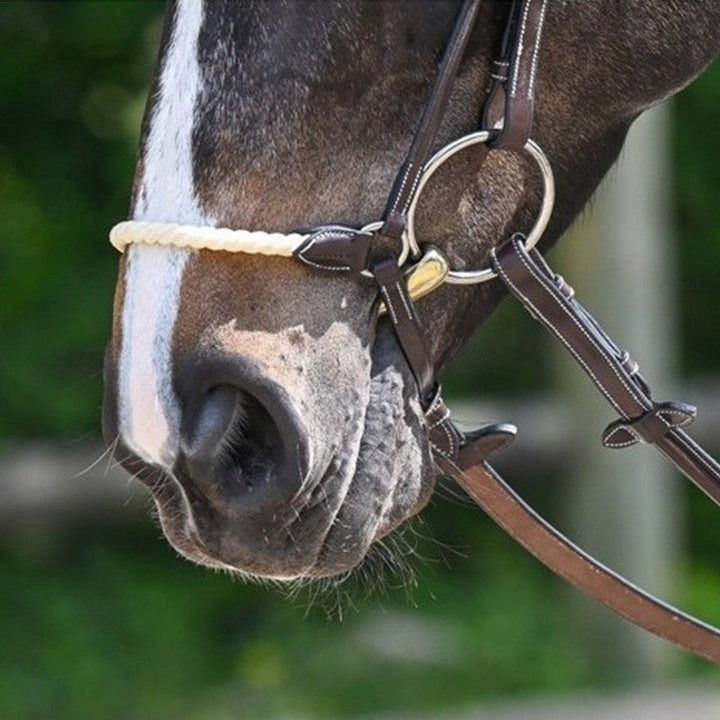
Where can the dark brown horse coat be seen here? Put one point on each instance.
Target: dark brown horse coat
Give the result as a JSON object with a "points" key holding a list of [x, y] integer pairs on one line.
{"points": [[276, 422]]}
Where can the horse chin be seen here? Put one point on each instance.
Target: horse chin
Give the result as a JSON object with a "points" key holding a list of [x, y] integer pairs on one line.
{"points": [[359, 496]]}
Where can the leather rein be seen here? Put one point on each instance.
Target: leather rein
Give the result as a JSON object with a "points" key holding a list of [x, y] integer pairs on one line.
{"points": [[412, 271]]}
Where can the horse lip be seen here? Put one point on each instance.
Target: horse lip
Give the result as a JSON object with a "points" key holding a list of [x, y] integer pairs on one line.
{"points": [[245, 373]]}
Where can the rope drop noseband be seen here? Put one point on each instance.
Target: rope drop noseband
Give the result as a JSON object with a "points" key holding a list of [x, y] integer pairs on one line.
{"points": [[418, 269]]}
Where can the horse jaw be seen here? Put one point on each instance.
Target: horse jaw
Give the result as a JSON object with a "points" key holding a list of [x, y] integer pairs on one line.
{"points": [[353, 396], [325, 150]]}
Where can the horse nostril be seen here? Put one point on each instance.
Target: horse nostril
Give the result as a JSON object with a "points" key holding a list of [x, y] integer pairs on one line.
{"points": [[211, 426], [234, 453]]}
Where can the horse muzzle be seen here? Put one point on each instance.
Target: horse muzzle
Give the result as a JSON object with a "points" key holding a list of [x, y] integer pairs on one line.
{"points": [[239, 471]]}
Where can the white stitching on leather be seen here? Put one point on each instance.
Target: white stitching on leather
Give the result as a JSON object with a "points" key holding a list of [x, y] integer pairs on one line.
{"points": [[450, 438], [315, 238], [407, 307], [683, 419], [406, 175], [441, 420], [564, 342], [336, 268], [410, 195], [521, 38], [390, 306], [558, 335], [614, 444], [437, 449], [608, 362], [533, 68]]}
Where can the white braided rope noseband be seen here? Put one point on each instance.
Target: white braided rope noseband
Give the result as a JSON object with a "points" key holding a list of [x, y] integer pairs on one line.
{"points": [[204, 238]]}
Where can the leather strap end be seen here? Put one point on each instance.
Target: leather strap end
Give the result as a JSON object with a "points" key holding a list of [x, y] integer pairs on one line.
{"points": [[336, 248], [394, 225], [478, 444], [649, 427], [465, 450]]}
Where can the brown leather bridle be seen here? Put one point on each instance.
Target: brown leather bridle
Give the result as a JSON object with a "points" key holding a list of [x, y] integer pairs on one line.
{"points": [[387, 252], [507, 122]]}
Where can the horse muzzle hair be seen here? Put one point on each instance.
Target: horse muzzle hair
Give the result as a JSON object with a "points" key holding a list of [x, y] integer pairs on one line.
{"points": [[284, 440]]}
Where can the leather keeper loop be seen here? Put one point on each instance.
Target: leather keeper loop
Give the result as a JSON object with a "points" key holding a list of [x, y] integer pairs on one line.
{"points": [[649, 427]]}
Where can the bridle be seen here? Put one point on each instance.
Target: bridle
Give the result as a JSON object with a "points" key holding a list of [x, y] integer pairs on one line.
{"points": [[410, 270]]}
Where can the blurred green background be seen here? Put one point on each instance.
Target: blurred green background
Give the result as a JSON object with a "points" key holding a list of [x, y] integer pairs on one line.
{"points": [[100, 619]]}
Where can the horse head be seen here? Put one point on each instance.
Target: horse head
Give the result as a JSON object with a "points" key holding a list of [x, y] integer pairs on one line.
{"points": [[274, 418]]}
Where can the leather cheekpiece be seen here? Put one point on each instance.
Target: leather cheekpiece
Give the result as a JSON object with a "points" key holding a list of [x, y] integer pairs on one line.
{"points": [[408, 329]]}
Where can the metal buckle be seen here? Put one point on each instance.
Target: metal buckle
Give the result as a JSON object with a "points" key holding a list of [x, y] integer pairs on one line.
{"points": [[427, 274], [469, 277]]}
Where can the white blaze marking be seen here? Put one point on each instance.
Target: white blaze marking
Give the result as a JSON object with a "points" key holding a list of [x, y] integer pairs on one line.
{"points": [[148, 409], [149, 414]]}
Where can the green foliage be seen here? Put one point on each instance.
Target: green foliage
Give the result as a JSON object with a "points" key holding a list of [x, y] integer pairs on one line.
{"points": [[121, 628], [696, 146], [73, 81], [112, 624]]}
